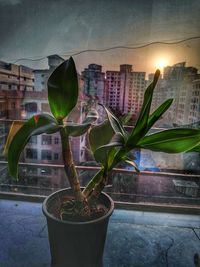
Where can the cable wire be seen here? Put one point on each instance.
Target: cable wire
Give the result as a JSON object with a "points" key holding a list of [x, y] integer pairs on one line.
{"points": [[132, 47]]}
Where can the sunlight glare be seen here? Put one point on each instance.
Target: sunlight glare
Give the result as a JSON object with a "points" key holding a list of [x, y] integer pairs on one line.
{"points": [[161, 63]]}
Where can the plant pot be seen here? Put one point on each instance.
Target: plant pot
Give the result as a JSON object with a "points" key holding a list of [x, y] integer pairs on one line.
{"points": [[76, 244]]}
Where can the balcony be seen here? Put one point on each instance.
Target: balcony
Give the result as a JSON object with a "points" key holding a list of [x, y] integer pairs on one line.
{"points": [[155, 222], [135, 238]]}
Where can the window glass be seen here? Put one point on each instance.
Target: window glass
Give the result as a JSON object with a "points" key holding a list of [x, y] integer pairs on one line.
{"points": [[117, 47]]}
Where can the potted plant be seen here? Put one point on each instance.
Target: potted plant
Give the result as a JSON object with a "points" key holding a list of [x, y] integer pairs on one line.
{"points": [[77, 219]]}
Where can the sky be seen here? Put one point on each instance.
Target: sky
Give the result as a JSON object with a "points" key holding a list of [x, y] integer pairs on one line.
{"points": [[38, 28]]}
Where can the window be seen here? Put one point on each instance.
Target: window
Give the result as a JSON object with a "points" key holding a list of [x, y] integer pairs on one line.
{"points": [[120, 89], [13, 105], [31, 153], [33, 140], [56, 140], [46, 139], [56, 156], [46, 155], [31, 107]]}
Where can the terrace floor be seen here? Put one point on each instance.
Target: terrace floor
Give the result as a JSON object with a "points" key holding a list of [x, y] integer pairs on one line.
{"points": [[135, 238]]}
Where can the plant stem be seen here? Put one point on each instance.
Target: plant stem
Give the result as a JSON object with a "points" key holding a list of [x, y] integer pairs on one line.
{"points": [[95, 180], [99, 186], [69, 166]]}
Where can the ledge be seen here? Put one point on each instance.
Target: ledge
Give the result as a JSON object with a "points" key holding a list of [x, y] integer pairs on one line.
{"points": [[135, 238]]}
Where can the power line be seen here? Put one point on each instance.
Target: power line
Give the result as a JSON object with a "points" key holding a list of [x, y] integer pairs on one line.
{"points": [[132, 47]]}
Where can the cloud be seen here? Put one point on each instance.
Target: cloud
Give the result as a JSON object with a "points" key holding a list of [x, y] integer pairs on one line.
{"points": [[10, 2]]}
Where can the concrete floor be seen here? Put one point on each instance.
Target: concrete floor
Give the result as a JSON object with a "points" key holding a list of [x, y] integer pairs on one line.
{"points": [[135, 238]]}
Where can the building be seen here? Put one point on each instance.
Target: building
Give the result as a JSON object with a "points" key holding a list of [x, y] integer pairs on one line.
{"points": [[125, 89], [176, 84], [16, 77], [23, 93], [42, 75], [15, 80], [194, 107], [94, 82]]}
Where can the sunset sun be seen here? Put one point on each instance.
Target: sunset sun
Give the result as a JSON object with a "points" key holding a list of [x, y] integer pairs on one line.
{"points": [[160, 63]]}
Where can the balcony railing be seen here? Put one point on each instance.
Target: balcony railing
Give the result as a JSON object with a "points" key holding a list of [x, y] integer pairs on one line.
{"points": [[147, 190]]}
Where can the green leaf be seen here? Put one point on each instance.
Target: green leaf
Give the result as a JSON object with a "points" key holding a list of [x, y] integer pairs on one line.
{"points": [[103, 152], [63, 89], [195, 149], [131, 162], [36, 125], [114, 122], [77, 129], [91, 117], [100, 135], [126, 118], [106, 154], [159, 112], [171, 141], [16, 125], [142, 122]]}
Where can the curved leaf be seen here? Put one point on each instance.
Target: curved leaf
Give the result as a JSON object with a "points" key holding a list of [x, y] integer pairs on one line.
{"points": [[100, 135], [36, 125], [103, 153], [91, 117], [171, 141], [195, 149], [77, 129], [142, 121], [63, 89], [114, 122], [131, 162], [159, 112]]}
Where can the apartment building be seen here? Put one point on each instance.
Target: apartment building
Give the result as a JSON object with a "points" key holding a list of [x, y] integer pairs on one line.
{"points": [[176, 84], [125, 89], [94, 81], [16, 77], [194, 106]]}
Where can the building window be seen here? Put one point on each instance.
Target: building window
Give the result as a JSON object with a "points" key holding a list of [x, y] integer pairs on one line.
{"points": [[56, 140], [31, 107], [13, 105], [46, 140], [33, 140], [31, 153], [46, 155], [56, 156]]}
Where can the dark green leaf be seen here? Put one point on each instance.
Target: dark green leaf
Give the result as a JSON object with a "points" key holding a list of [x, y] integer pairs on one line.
{"points": [[114, 122], [171, 141], [63, 89], [38, 124], [159, 112], [195, 149], [77, 129], [100, 135], [142, 121], [126, 118], [103, 153]]}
